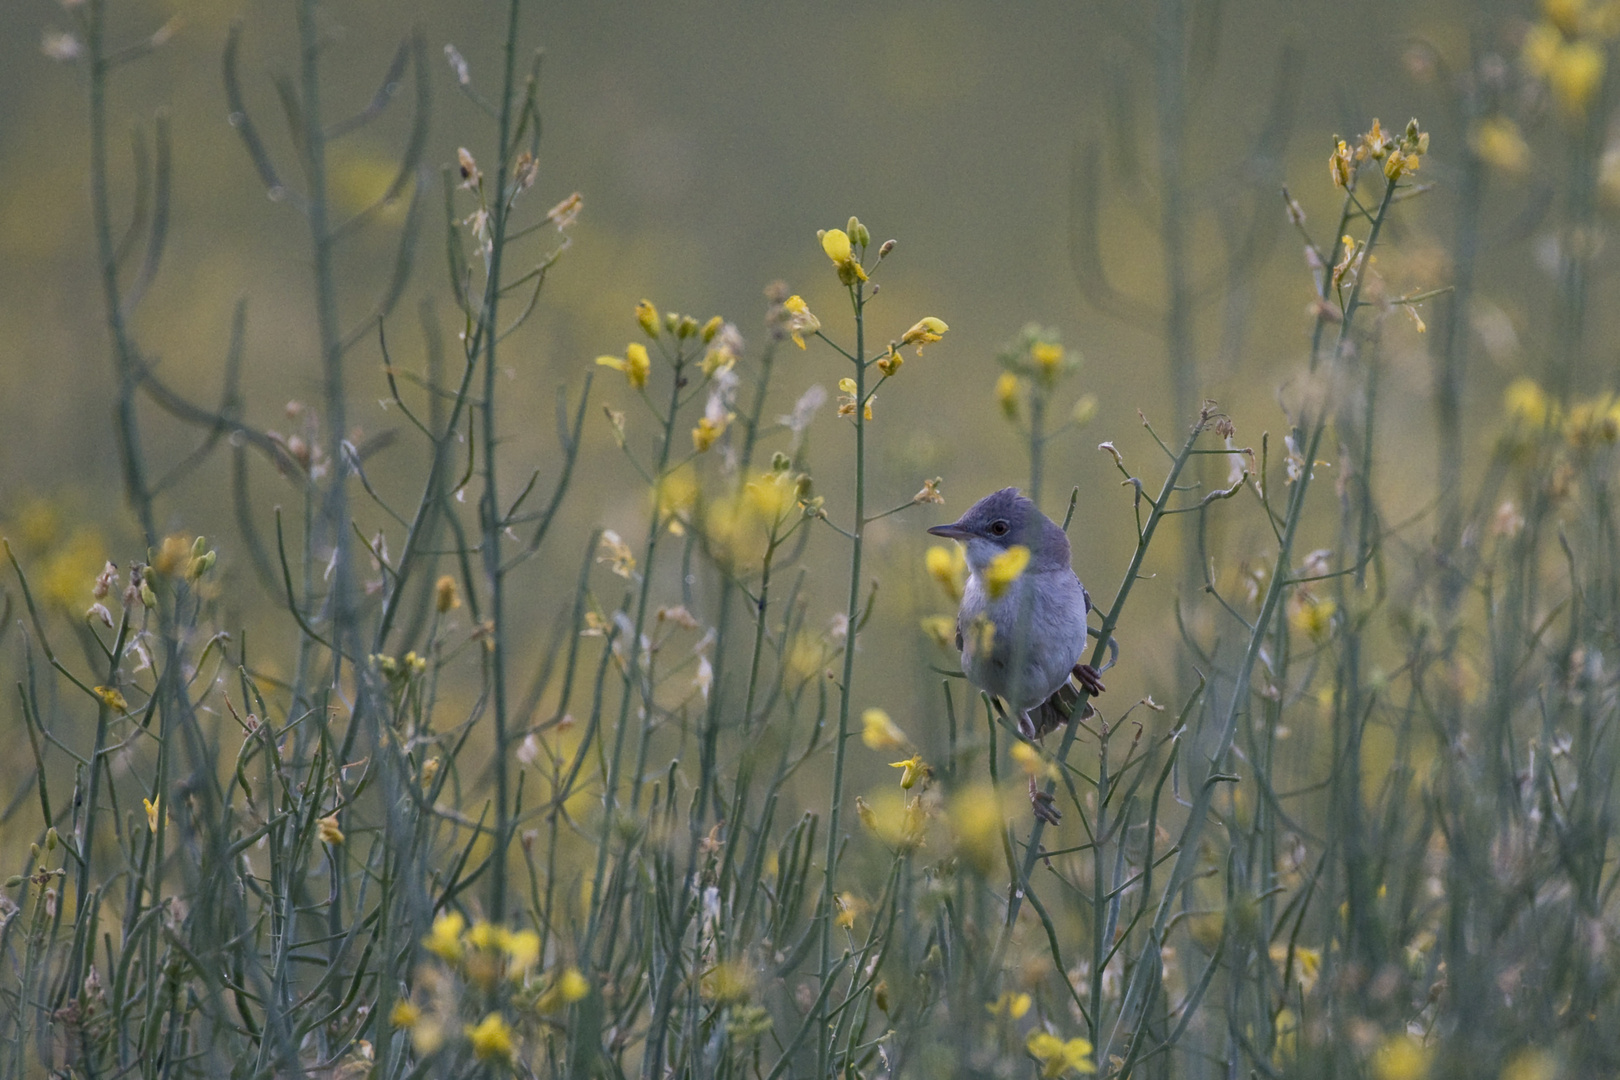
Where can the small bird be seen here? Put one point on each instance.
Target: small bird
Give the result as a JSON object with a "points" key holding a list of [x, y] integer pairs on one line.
{"points": [[1023, 645]]}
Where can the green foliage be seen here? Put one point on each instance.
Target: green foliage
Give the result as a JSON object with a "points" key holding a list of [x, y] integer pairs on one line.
{"points": [[1371, 836]]}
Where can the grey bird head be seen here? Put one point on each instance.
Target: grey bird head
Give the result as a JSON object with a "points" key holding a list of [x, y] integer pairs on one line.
{"points": [[999, 521]]}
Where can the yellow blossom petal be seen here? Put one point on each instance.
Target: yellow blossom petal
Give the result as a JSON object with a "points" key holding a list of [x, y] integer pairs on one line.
{"points": [[111, 698], [924, 331], [329, 831], [491, 1038], [835, 242], [444, 941], [879, 732], [1005, 569], [915, 769]]}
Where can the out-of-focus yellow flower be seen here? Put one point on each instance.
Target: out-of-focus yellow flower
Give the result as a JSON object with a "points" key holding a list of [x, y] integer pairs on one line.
{"points": [[879, 732], [850, 907], [486, 935], [712, 327], [974, 815], [444, 940], [1005, 569], [1307, 963], [1084, 409], [771, 494], [1566, 15], [405, 1014], [1310, 614], [894, 819], [676, 493], [1401, 1057], [1007, 394], [941, 630], [1499, 143], [491, 1038], [1526, 402], [1011, 1005], [444, 595], [1531, 1064], [611, 549], [329, 832], [647, 316], [948, 566], [1576, 74], [635, 363], [706, 432], [924, 331], [800, 320], [1033, 762], [1058, 1056], [915, 769], [1046, 354], [568, 987], [522, 951], [154, 807], [111, 698]]}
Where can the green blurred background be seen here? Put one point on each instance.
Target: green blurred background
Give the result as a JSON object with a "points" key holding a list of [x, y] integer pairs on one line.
{"points": [[710, 141]]}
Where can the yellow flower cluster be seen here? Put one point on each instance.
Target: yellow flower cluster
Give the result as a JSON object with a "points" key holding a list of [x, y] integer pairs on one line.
{"points": [[1587, 421], [1058, 1056], [1399, 155], [1566, 49]]}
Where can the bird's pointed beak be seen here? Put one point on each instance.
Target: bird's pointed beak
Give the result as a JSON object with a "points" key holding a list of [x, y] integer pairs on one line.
{"points": [[953, 531]]}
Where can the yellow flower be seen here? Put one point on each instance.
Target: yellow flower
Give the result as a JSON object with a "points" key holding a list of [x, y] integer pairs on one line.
{"points": [[1057, 1056], [405, 1014], [837, 245], [329, 831], [522, 951], [1541, 44], [1005, 569], [111, 698], [491, 1038], [569, 986], [846, 404], [1575, 74], [1497, 141], [484, 935], [647, 316], [850, 907], [976, 826], [948, 566], [941, 630], [1032, 761], [1526, 402], [444, 941], [800, 321], [878, 732], [444, 595], [635, 364], [1401, 1057], [1084, 410], [1311, 615], [1341, 164], [706, 432], [835, 242], [1007, 394], [1047, 354], [915, 768], [1012, 1005], [890, 362], [711, 328], [924, 331], [153, 808]]}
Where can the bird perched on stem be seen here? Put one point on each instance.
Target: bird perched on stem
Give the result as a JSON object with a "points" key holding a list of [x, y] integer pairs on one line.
{"points": [[1022, 625]]}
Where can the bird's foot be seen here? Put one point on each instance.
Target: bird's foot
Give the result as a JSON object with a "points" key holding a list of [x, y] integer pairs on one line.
{"points": [[1027, 726], [1089, 678], [1041, 802]]}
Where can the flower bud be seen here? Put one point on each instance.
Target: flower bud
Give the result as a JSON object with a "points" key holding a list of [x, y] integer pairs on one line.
{"points": [[711, 328], [647, 316], [686, 328], [888, 246]]}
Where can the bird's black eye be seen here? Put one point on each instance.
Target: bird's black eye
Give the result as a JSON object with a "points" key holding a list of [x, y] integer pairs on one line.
{"points": [[998, 528]]}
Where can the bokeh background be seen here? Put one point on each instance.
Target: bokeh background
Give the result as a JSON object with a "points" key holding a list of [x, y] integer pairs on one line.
{"points": [[710, 141]]}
